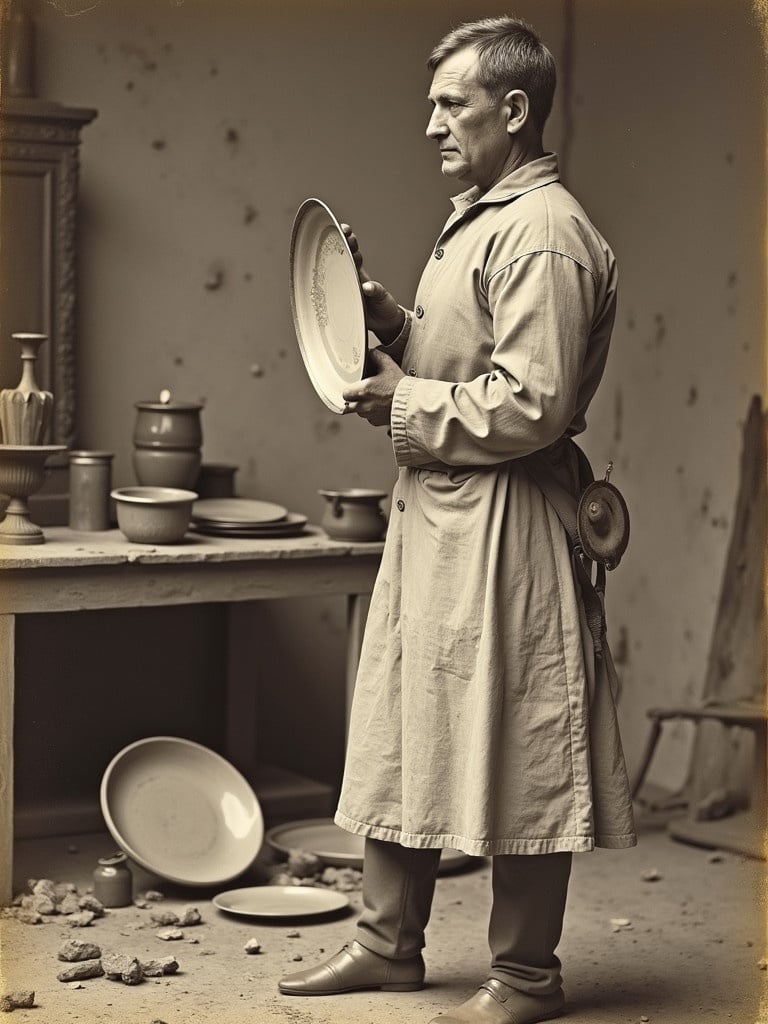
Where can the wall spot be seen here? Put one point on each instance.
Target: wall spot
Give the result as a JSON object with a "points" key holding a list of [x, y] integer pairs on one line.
{"points": [[327, 428], [693, 395], [178, 360], [282, 353], [661, 330], [620, 650], [140, 54], [250, 213], [719, 522], [213, 71], [618, 415], [732, 279], [256, 370], [680, 470], [247, 276], [706, 501], [232, 137], [214, 280], [167, 47], [729, 158], [631, 322], [129, 86], [158, 144]]}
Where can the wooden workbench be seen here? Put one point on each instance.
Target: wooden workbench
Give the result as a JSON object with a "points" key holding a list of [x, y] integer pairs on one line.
{"points": [[85, 571]]}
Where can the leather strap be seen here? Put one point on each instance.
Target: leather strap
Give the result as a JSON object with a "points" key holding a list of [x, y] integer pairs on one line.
{"points": [[566, 506]]}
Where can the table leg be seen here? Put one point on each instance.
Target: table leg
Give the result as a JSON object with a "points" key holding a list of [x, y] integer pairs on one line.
{"points": [[242, 692], [7, 673], [357, 613]]}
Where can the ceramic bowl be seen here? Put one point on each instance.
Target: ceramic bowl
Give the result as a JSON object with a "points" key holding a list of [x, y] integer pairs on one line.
{"points": [[153, 515], [181, 811]]}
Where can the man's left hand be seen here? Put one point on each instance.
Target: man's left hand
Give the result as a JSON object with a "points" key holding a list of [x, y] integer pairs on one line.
{"points": [[372, 397]]}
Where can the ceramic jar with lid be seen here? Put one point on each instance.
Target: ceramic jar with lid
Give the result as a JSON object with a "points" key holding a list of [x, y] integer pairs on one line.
{"points": [[112, 881], [167, 440]]}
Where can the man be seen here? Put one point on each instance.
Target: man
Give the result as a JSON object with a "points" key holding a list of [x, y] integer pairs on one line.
{"points": [[482, 718]]}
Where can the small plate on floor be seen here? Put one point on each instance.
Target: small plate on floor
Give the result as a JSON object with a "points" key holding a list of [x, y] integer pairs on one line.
{"points": [[336, 847], [280, 901]]}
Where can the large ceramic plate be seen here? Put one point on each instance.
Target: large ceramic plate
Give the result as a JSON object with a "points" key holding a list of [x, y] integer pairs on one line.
{"points": [[327, 303], [181, 811], [280, 901], [336, 847]]}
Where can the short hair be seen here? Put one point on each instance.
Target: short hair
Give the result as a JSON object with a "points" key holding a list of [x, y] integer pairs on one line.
{"points": [[511, 55]]}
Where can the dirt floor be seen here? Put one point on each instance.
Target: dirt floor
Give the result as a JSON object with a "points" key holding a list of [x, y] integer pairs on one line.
{"points": [[690, 953]]}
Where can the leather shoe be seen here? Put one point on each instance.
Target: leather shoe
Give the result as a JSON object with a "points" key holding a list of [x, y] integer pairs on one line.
{"points": [[497, 1003], [354, 968]]}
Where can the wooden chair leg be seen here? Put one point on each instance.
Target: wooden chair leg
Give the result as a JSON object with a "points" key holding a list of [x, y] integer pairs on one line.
{"points": [[650, 749]]}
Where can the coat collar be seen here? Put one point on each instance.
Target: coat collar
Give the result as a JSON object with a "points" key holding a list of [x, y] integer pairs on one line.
{"points": [[542, 171]]}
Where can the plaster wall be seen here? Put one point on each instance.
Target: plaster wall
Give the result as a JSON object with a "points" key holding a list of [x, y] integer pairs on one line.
{"points": [[217, 119]]}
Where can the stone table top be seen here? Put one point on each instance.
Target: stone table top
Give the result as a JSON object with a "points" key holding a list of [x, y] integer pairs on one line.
{"points": [[68, 548]]}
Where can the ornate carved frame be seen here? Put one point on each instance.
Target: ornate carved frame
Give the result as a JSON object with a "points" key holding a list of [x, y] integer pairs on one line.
{"points": [[40, 138]]}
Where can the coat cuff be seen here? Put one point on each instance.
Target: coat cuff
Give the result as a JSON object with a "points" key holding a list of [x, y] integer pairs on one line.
{"points": [[399, 426]]}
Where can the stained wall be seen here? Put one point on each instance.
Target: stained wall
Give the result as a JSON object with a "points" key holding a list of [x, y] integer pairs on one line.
{"points": [[216, 119]]}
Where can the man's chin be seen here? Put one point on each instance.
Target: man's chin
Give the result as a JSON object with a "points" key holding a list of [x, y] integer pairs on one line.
{"points": [[451, 170]]}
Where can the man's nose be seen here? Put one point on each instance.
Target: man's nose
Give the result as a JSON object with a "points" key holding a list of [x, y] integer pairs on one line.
{"points": [[436, 126]]}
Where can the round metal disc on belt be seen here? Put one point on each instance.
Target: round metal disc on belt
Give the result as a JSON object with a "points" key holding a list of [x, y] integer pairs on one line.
{"points": [[603, 523]]}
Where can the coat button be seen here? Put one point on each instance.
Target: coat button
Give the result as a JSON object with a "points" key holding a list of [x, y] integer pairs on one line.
{"points": [[419, 311], [439, 253], [400, 505], [412, 372]]}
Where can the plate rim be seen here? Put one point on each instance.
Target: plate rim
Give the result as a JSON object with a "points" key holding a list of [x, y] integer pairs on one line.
{"points": [[130, 851], [298, 221], [196, 516], [339, 896]]}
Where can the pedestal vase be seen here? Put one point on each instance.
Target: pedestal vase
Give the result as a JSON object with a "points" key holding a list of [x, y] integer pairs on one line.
{"points": [[22, 472]]}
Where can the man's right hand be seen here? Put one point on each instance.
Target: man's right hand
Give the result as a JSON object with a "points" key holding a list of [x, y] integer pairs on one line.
{"points": [[382, 313]]}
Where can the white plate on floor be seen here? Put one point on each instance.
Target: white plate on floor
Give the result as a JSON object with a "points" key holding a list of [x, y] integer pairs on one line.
{"points": [[280, 901], [337, 847], [181, 811], [327, 303]]}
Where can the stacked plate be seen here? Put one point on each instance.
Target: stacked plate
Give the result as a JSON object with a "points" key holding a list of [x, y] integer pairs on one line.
{"points": [[245, 517]]}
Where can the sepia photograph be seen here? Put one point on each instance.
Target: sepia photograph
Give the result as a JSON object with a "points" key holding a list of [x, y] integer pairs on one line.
{"points": [[383, 511]]}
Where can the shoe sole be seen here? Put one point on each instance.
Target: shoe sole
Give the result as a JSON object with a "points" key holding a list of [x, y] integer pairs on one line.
{"points": [[402, 986]]}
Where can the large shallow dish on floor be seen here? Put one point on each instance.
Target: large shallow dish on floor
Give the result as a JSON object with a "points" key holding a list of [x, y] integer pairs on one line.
{"points": [[280, 901], [181, 811], [327, 303], [336, 847]]}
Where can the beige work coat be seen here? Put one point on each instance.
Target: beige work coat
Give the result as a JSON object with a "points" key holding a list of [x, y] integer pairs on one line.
{"points": [[481, 719]]}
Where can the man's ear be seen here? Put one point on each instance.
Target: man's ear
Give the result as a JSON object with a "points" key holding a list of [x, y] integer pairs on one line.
{"points": [[518, 107]]}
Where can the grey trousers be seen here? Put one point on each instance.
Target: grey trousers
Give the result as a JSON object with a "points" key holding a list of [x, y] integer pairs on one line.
{"points": [[529, 895]]}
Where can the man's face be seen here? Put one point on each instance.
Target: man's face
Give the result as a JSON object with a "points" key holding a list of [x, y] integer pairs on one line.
{"points": [[469, 127]]}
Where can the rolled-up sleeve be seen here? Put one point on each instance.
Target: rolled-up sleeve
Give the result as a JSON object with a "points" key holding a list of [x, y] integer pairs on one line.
{"points": [[542, 307]]}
